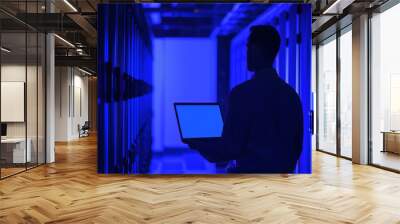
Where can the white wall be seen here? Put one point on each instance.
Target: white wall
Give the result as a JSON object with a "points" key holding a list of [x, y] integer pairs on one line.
{"points": [[62, 81], [17, 72], [184, 71], [9, 73], [80, 82], [70, 83], [14, 72]]}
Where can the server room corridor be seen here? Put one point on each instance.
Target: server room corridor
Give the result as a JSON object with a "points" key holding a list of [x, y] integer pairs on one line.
{"points": [[186, 53], [184, 71]]}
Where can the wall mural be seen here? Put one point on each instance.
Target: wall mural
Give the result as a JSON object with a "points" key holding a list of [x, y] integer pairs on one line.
{"points": [[204, 88]]}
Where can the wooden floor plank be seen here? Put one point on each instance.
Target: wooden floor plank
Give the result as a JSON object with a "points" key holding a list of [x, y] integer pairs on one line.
{"points": [[70, 191]]}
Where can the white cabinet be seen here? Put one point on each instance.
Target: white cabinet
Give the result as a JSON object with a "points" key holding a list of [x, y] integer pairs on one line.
{"points": [[19, 155]]}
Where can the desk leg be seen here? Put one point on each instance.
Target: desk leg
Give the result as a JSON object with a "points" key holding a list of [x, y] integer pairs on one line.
{"points": [[384, 143]]}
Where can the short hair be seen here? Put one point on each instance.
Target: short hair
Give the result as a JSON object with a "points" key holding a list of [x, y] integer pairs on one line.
{"points": [[266, 37]]}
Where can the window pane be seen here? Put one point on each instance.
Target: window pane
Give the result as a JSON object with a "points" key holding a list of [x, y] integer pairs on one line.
{"points": [[14, 153], [31, 100], [22, 89], [346, 94], [41, 98], [327, 96], [385, 89]]}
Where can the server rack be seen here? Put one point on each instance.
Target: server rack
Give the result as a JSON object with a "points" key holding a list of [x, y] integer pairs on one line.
{"points": [[124, 87]]}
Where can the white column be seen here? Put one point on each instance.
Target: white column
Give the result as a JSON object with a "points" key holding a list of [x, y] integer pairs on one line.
{"points": [[360, 90], [50, 92], [50, 99]]}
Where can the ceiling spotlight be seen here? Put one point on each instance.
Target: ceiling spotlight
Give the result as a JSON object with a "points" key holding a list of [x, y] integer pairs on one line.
{"points": [[337, 7], [65, 41], [5, 50], [70, 5], [85, 72]]}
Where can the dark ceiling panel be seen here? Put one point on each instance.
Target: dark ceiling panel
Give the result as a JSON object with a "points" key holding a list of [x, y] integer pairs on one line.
{"points": [[185, 19], [49, 22], [207, 21], [200, 31]]}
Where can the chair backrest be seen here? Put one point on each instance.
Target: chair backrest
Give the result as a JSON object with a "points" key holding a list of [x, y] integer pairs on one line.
{"points": [[86, 125]]}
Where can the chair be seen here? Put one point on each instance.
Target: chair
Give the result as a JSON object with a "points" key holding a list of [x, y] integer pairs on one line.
{"points": [[84, 130]]}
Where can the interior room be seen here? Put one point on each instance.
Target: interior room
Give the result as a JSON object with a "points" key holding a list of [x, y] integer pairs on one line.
{"points": [[90, 131], [75, 85], [72, 103], [22, 99]]}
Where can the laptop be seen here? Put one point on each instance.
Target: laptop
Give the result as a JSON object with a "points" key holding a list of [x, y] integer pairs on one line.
{"points": [[199, 121]]}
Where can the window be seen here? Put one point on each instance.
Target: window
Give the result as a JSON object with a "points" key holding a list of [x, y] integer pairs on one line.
{"points": [[385, 89], [22, 76], [326, 135], [346, 93]]}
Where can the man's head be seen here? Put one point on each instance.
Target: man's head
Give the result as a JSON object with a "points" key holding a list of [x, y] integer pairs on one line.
{"points": [[262, 47]]}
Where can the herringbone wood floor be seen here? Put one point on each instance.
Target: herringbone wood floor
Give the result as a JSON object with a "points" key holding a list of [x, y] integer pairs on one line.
{"points": [[70, 191]]}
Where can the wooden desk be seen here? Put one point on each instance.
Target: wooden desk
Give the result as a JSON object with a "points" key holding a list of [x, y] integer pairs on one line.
{"points": [[13, 150], [391, 141]]}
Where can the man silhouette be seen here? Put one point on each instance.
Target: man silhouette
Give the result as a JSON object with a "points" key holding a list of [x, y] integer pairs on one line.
{"points": [[263, 130]]}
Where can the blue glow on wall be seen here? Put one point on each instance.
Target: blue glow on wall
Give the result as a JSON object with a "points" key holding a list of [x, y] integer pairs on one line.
{"points": [[184, 71]]}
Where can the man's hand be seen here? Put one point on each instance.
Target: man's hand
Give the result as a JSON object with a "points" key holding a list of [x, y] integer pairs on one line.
{"points": [[199, 143], [191, 144]]}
